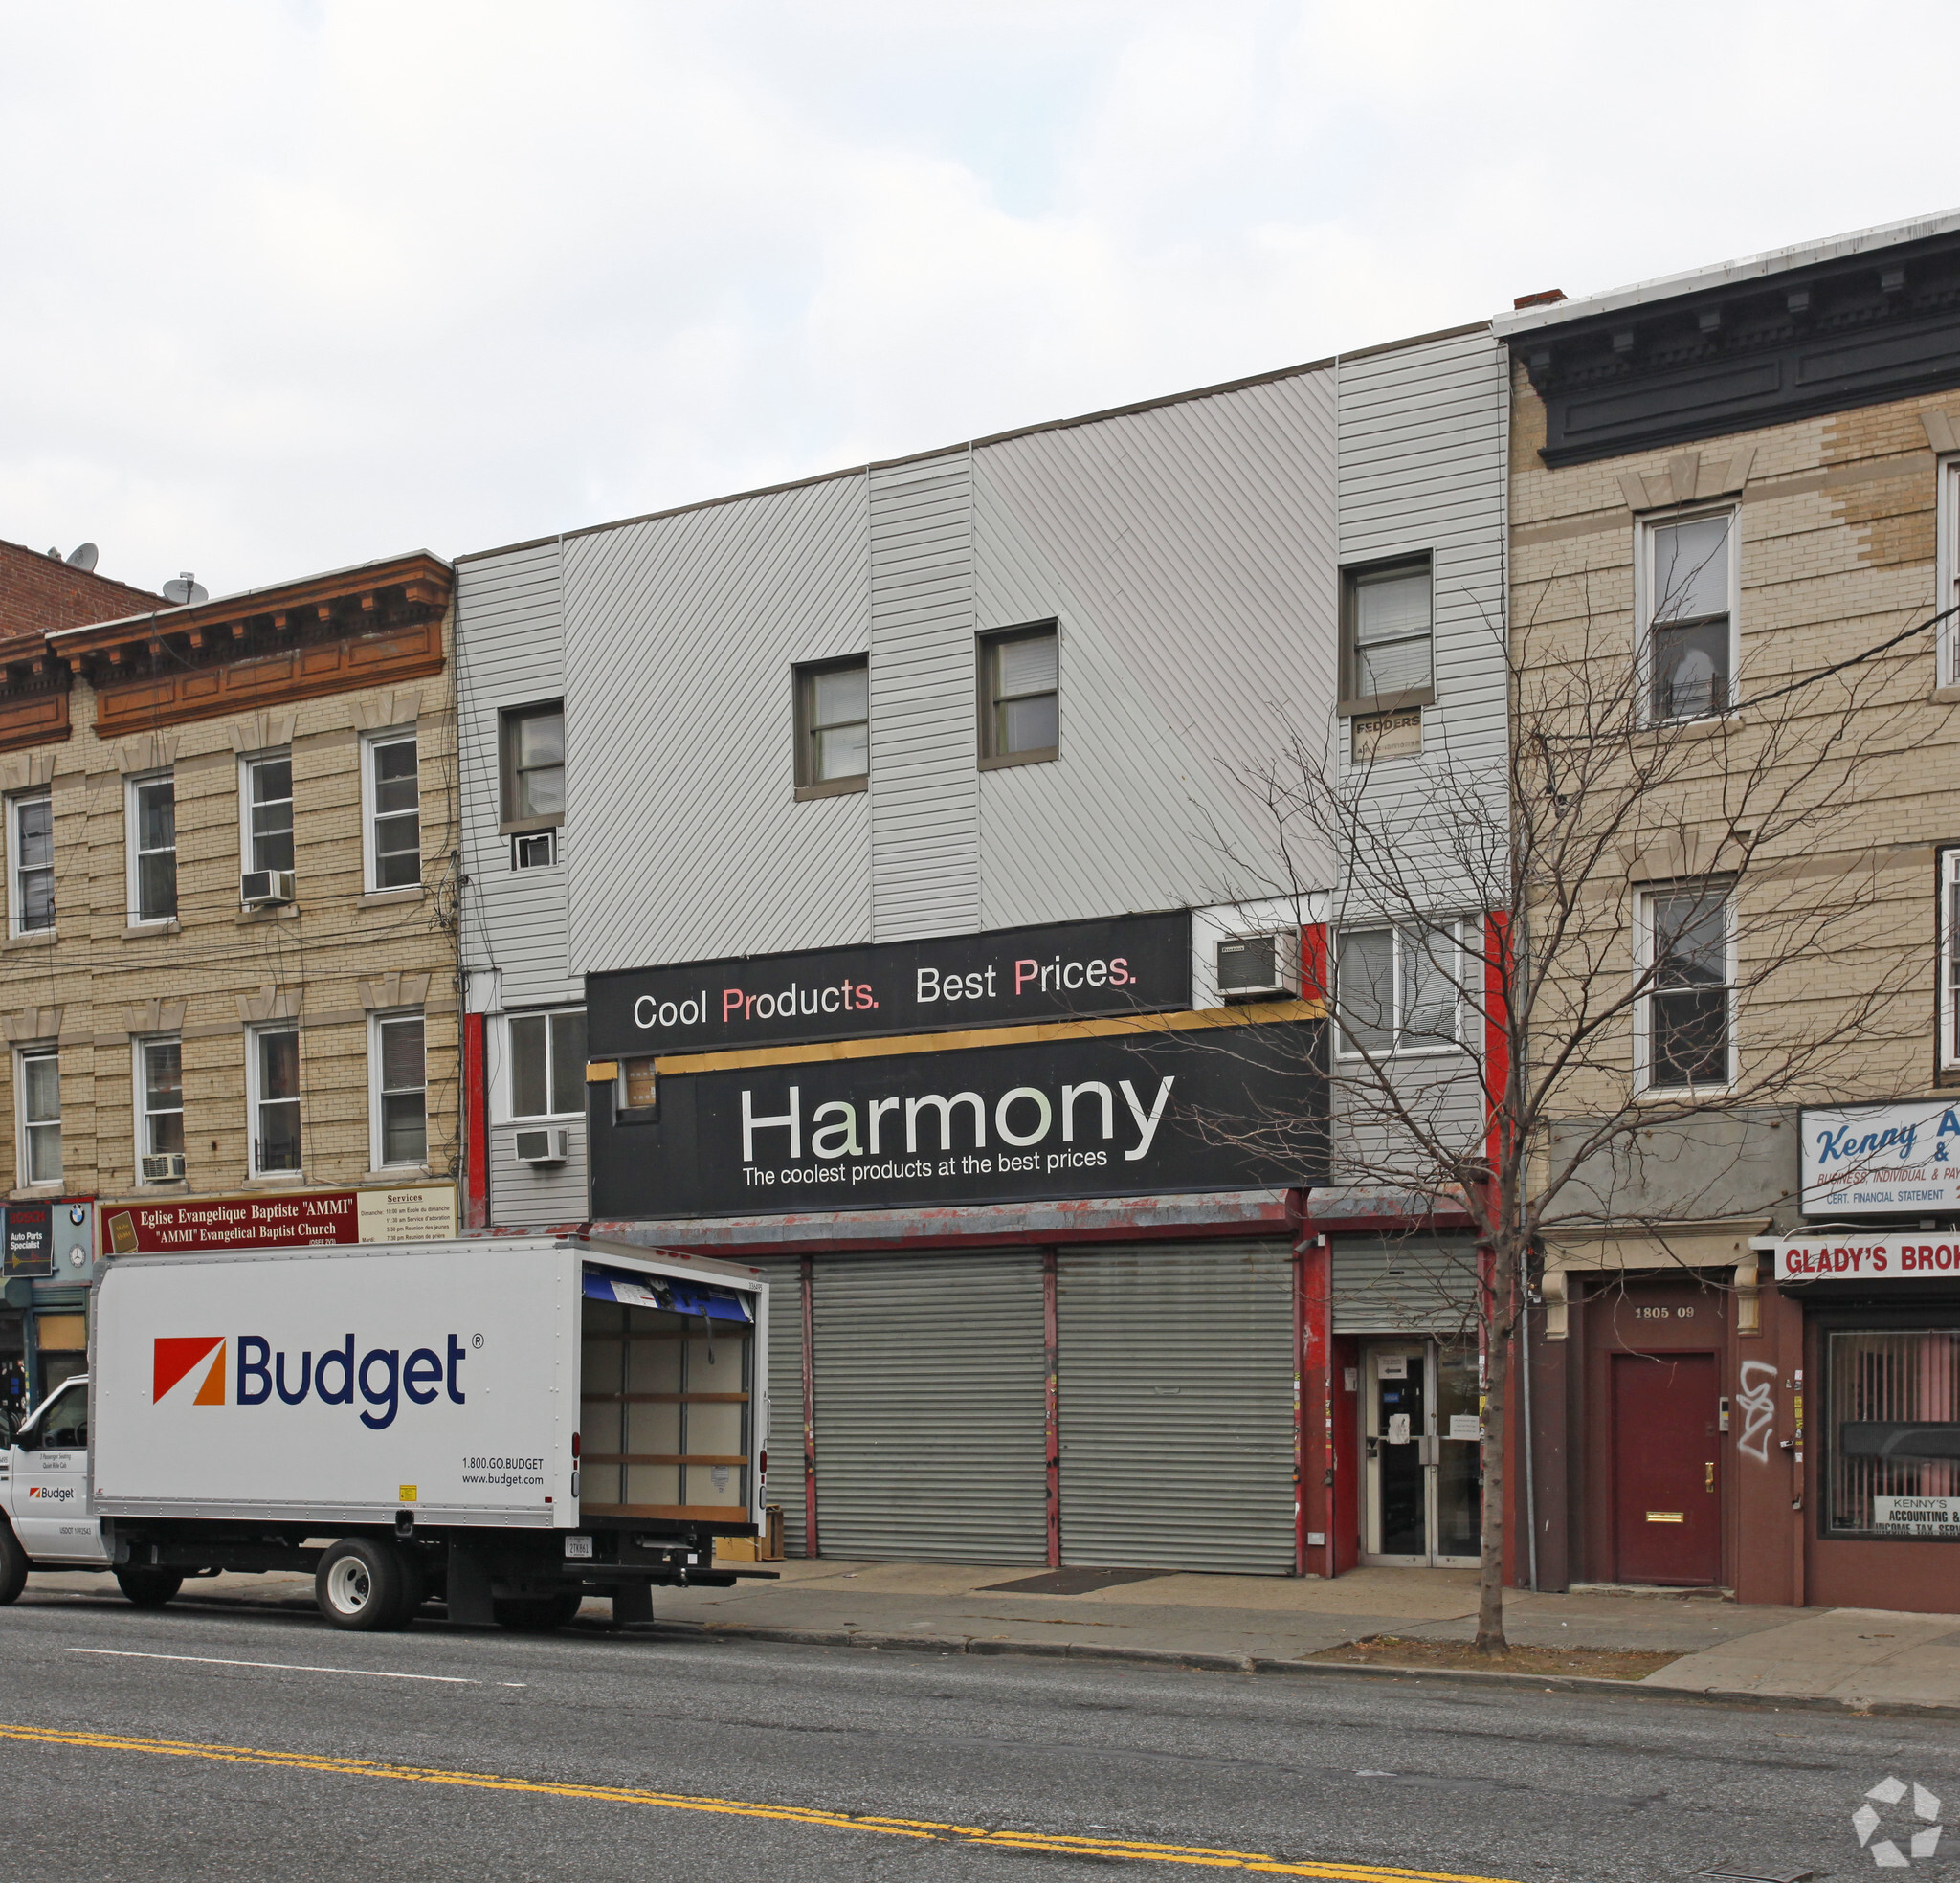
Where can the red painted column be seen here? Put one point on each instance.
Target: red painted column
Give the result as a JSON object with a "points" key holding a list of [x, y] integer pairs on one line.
{"points": [[476, 1124], [1051, 1343], [809, 1542], [1313, 1406]]}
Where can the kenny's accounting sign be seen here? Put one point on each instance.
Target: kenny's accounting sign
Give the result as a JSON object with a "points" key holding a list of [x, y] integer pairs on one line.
{"points": [[1205, 1105], [1124, 964], [1881, 1159]]}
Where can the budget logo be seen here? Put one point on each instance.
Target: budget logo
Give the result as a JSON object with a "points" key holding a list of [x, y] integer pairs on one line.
{"points": [[53, 1494], [178, 1355]]}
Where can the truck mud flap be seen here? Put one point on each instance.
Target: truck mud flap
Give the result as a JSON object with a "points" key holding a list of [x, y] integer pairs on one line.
{"points": [[470, 1599]]}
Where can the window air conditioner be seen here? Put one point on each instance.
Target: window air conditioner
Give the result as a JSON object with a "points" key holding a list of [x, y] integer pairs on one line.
{"points": [[549, 1146], [163, 1168], [534, 849], [1258, 967], [265, 889]]}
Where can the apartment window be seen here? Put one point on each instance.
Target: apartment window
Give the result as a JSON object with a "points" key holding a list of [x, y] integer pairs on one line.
{"points": [[267, 797], [273, 1097], [400, 1097], [159, 1097], [38, 1083], [1020, 708], [1687, 957], [548, 1064], [1397, 989], [151, 811], [1689, 578], [1385, 634], [1892, 1429], [833, 727], [393, 791], [31, 853], [534, 766]]}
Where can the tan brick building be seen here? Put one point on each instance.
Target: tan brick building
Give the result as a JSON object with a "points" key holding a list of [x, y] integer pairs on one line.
{"points": [[229, 960], [1736, 492]]}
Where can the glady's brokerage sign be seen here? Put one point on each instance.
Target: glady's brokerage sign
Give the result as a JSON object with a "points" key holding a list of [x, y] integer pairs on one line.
{"points": [[1071, 970]]}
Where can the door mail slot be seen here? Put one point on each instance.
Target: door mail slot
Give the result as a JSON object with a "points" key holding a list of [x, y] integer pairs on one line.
{"points": [[1668, 1517]]}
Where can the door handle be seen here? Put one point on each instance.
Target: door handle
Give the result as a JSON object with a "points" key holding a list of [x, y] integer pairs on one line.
{"points": [[1708, 1482]]}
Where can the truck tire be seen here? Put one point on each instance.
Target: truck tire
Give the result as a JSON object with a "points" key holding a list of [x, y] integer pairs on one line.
{"points": [[358, 1585], [149, 1588], [538, 1614], [13, 1565]]}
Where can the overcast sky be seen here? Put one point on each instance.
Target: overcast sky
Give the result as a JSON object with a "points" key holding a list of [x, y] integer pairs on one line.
{"points": [[293, 285]]}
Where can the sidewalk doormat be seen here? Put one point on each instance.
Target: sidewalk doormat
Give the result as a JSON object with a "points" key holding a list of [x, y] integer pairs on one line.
{"points": [[1074, 1582]]}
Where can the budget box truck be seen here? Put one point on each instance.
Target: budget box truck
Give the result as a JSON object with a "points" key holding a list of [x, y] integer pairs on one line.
{"points": [[513, 1423]]}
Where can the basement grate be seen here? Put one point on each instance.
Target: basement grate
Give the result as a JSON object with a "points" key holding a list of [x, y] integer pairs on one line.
{"points": [[1074, 1582]]}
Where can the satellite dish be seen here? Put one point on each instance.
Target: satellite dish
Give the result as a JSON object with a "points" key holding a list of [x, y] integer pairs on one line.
{"points": [[186, 592], [84, 557]]}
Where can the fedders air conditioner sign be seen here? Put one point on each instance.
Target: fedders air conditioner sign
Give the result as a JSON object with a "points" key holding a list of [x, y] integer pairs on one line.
{"points": [[244, 1370]]}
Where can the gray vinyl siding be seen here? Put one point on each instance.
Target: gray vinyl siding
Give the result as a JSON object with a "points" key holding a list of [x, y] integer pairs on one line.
{"points": [[509, 653], [681, 634], [535, 1196], [931, 1406], [1187, 553], [1175, 1371], [925, 865]]}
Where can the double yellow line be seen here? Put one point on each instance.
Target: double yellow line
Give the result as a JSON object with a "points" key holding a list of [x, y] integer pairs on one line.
{"points": [[1059, 1841]]}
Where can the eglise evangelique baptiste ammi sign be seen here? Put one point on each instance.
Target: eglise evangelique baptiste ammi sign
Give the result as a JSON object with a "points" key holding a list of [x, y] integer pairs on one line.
{"points": [[1016, 1066]]}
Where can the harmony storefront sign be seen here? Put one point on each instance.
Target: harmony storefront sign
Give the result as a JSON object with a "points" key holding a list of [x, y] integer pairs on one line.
{"points": [[1125, 966], [421, 1212], [1191, 1102], [1881, 1159]]}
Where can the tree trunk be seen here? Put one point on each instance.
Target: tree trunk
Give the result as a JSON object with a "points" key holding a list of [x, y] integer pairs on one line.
{"points": [[1490, 1568]]}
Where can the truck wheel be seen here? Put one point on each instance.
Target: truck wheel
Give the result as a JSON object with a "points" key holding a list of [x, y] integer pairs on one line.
{"points": [[536, 1614], [13, 1565], [149, 1588], [359, 1586]]}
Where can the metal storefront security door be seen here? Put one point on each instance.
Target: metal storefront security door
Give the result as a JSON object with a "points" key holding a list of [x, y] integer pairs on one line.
{"points": [[931, 1406], [1175, 1371], [1667, 1508]]}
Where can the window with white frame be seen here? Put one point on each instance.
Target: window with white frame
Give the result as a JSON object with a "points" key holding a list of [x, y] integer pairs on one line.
{"points": [[1400, 990], [159, 1103], [393, 790], [37, 1086], [548, 1064], [31, 862], [151, 819], [1687, 963], [265, 798], [1688, 593], [399, 1090], [272, 1094], [1947, 559]]}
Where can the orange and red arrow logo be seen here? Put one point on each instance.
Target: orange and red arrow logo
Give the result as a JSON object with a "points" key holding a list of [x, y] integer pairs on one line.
{"points": [[177, 1353]]}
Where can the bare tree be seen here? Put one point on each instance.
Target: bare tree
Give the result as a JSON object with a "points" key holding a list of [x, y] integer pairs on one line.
{"points": [[1611, 934]]}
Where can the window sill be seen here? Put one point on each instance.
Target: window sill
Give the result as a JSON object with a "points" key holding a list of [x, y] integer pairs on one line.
{"points": [[1946, 696], [518, 827], [1041, 755], [397, 1173], [276, 912], [173, 1186], [1681, 1095], [1402, 1054], [388, 898], [138, 931], [833, 787], [1708, 726], [36, 1193], [1388, 702], [277, 1179], [40, 938]]}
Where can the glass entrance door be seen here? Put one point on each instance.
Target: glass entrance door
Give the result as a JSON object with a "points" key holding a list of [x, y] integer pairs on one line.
{"points": [[1421, 1447]]}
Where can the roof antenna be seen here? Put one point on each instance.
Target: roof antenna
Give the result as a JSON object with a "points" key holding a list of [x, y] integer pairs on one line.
{"points": [[186, 592], [84, 558]]}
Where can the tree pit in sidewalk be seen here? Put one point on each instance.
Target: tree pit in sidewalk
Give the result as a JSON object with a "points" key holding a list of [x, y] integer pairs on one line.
{"points": [[1591, 1663]]}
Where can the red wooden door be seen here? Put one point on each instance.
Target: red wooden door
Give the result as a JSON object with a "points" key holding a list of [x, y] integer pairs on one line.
{"points": [[1666, 1469]]}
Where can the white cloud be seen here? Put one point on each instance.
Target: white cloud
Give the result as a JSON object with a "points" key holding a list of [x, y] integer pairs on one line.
{"points": [[292, 287]]}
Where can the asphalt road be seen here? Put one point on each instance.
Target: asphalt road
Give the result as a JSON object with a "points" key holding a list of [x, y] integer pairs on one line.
{"points": [[148, 1746]]}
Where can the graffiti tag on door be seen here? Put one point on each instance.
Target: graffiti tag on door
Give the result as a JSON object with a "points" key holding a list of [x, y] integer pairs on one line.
{"points": [[1759, 1410]]}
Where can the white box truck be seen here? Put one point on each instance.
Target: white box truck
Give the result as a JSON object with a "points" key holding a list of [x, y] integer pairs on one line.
{"points": [[512, 1423]]}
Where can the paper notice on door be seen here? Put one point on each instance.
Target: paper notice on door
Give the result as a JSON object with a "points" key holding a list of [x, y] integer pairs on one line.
{"points": [[1398, 1428], [1391, 1366], [1465, 1425]]}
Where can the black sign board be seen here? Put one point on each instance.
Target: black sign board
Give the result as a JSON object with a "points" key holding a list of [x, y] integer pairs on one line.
{"points": [[30, 1240], [1143, 1113], [1068, 971]]}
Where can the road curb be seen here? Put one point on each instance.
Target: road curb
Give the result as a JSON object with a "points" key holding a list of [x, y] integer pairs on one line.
{"points": [[1265, 1665]]}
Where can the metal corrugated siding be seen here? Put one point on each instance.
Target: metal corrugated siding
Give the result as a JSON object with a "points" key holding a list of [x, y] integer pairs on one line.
{"points": [[924, 861], [931, 1406], [1175, 1371], [786, 1396], [1404, 1285]]}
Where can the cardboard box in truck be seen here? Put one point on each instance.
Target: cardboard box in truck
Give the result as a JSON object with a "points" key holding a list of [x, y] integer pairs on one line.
{"points": [[513, 1424]]}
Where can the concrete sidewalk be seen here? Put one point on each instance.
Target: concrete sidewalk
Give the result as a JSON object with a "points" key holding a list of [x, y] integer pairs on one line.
{"points": [[1858, 1656]]}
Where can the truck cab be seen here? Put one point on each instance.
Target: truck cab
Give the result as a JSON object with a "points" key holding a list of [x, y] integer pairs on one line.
{"points": [[44, 1487]]}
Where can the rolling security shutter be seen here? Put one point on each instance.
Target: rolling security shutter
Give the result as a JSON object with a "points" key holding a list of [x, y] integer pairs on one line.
{"points": [[931, 1406], [784, 1276], [1404, 1285], [1176, 1373]]}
